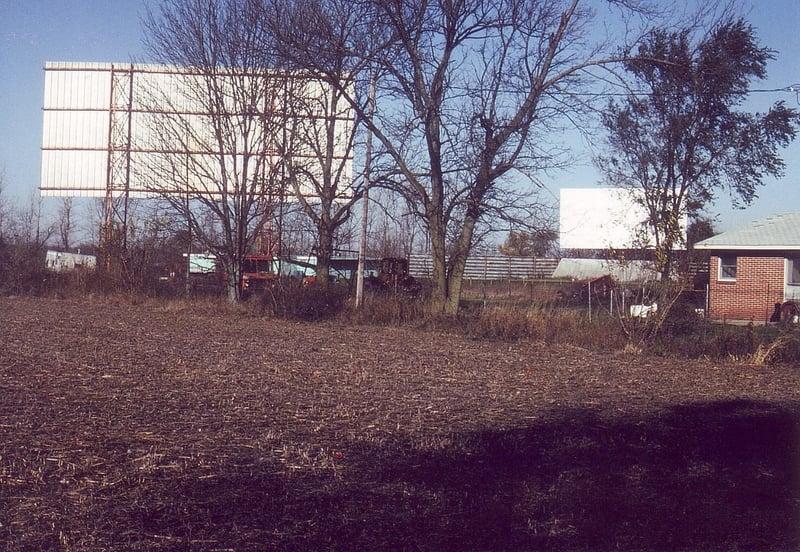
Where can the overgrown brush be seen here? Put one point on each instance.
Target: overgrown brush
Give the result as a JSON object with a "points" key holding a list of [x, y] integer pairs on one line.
{"points": [[549, 325], [731, 342], [291, 299], [682, 332], [508, 323], [388, 309]]}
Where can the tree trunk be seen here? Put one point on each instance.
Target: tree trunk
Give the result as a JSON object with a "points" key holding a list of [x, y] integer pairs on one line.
{"points": [[232, 283], [324, 253], [439, 276], [458, 263], [448, 277]]}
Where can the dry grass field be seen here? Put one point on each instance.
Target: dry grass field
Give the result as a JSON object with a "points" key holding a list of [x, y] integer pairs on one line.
{"points": [[197, 427]]}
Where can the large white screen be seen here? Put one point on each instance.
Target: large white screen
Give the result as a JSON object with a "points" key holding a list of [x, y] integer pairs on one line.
{"points": [[131, 129], [603, 218]]}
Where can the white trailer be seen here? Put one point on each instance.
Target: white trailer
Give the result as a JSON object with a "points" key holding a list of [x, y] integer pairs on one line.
{"points": [[61, 261]]}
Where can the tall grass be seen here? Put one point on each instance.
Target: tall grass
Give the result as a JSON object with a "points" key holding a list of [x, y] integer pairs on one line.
{"points": [[546, 324], [531, 316], [387, 309], [682, 333]]}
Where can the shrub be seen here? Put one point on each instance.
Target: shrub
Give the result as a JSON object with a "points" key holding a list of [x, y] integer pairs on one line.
{"points": [[22, 269], [721, 342], [389, 308], [289, 298], [682, 318]]}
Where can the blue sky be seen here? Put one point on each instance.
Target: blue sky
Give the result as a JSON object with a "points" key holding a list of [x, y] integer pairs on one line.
{"points": [[35, 31]]}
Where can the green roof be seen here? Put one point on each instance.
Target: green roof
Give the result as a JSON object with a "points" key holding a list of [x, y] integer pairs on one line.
{"points": [[775, 232]]}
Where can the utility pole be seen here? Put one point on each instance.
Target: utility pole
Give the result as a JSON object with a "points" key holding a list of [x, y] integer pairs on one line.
{"points": [[362, 245]]}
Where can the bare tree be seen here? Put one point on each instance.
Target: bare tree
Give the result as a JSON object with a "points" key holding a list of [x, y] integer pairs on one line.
{"points": [[317, 155], [30, 226], [65, 222], [321, 131], [4, 221], [3, 203], [469, 96], [393, 230], [217, 134]]}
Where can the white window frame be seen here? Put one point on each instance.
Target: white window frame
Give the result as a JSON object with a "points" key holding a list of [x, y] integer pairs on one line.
{"points": [[721, 276]]}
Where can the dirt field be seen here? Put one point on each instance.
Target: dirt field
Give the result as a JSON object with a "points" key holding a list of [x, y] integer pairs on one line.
{"points": [[156, 427]]}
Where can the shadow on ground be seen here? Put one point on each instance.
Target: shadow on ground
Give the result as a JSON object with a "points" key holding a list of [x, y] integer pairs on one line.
{"points": [[719, 476], [715, 476]]}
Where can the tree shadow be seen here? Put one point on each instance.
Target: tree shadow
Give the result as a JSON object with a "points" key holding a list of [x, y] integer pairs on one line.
{"points": [[711, 476]]}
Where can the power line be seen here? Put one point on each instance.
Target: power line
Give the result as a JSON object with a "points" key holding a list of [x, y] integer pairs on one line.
{"points": [[795, 88], [791, 88]]}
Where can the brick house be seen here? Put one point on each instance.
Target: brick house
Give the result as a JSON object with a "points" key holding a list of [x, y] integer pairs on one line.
{"points": [[754, 267]]}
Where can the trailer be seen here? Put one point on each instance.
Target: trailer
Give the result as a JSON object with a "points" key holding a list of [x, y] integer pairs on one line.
{"points": [[62, 261]]}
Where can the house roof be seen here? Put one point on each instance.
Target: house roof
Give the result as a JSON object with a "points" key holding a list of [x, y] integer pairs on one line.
{"points": [[773, 233]]}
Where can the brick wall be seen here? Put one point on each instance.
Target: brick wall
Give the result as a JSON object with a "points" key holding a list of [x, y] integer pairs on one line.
{"points": [[758, 286]]}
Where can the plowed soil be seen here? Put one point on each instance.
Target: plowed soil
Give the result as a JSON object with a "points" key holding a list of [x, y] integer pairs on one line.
{"points": [[188, 427]]}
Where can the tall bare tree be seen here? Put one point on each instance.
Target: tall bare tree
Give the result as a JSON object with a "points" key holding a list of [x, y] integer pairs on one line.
{"points": [[318, 157], [322, 134], [218, 126], [469, 95]]}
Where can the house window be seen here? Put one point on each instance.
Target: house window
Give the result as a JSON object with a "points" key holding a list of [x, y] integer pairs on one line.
{"points": [[793, 271], [727, 267]]}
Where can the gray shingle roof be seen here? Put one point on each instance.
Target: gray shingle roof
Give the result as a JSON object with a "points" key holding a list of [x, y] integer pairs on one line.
{"points": [[775, 232]]}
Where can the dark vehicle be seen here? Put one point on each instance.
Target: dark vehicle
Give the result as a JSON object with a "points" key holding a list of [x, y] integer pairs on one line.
{"points": [[393, 277]]}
